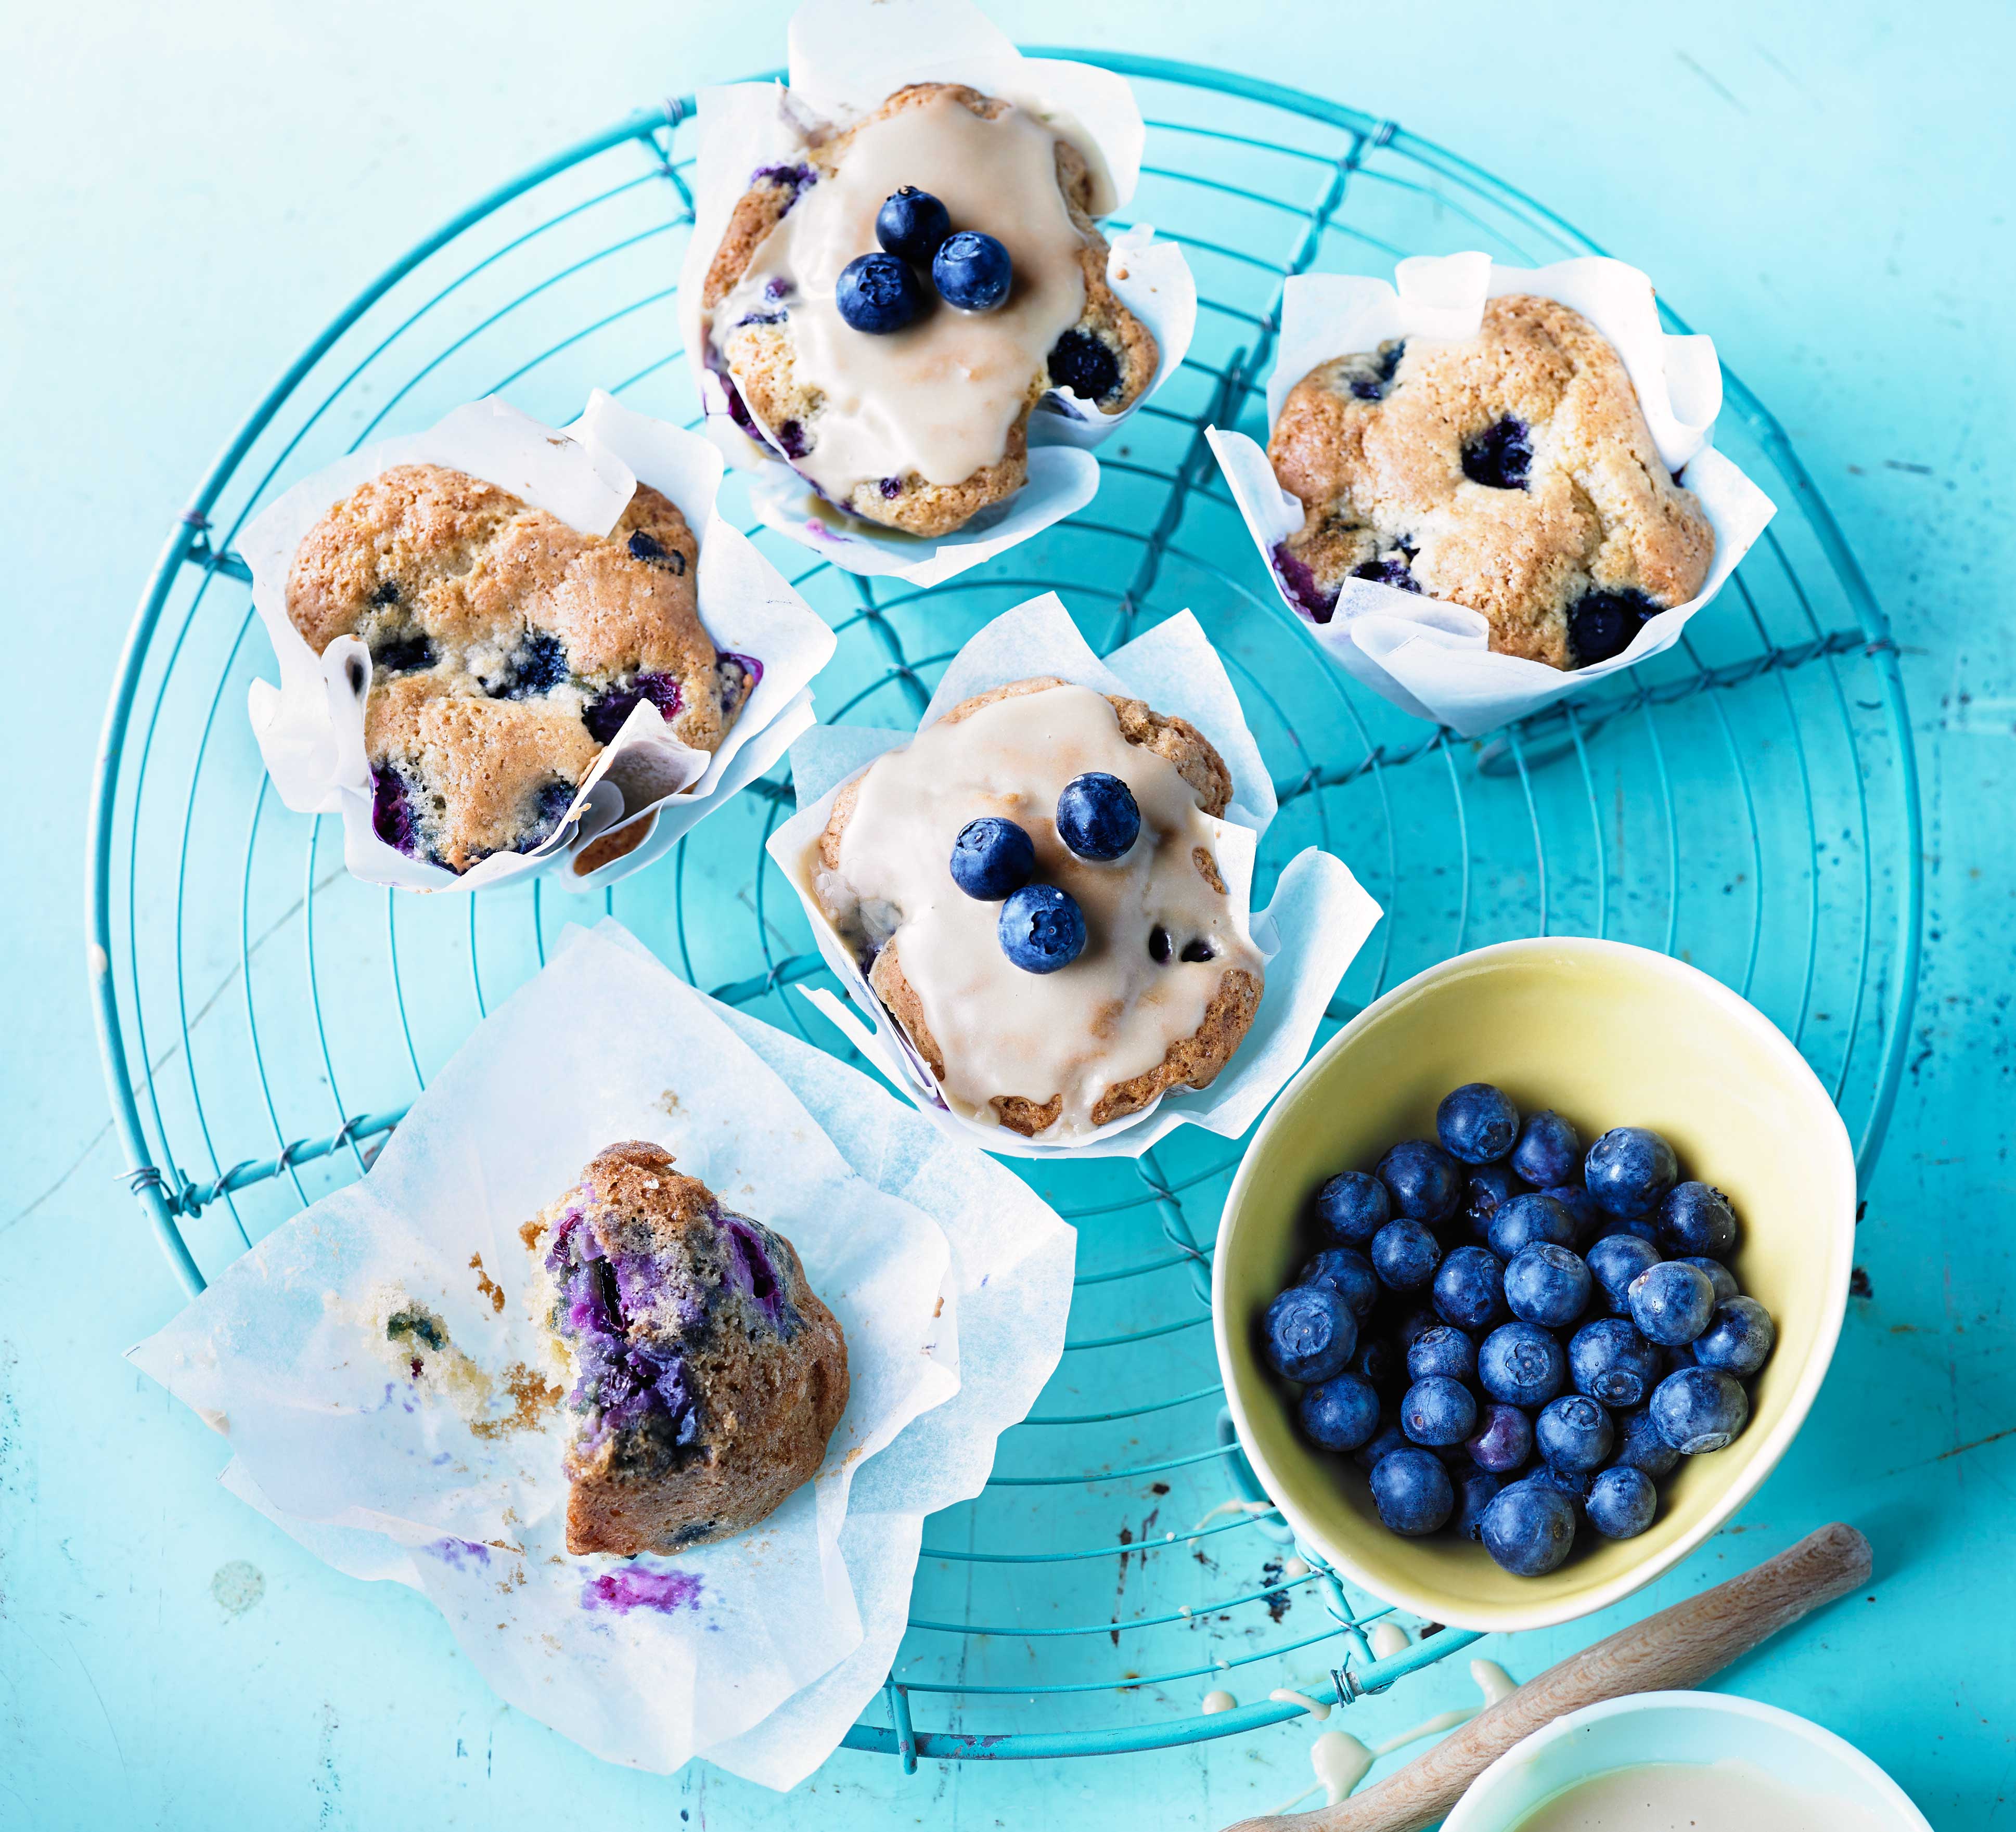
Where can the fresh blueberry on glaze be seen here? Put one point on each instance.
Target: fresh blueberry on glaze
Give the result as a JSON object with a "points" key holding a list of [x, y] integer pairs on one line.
{"points": [[1160, 946], [1349, 1273], [1469, 1289], [1524, 1219], [1475, 1491], [1042, 928], [1622, 1502], [878, 294], [538, 665], [1085, 365], [1695, 1220], [1521, 1365], [972, 272], [1501, 456], [1699, 1409], [1404, 1254], [1641, 1445], [1671, 1303], [1719, 1276], [1503, 1439], [1424, 1182], [1549, 1153], [1438, 1411], [1477, 1123], [1196, 952], [1413, 1492], [1299, 584], [1630, 1169], [604, 717], [1614, 1261], [1547, 1284], [1574, 1433], [392, 810], [911, 224], [1309, 1334], [1444, 1349], [1589, 1221], [1392, 571], [1389, 1438], [1739, 1339], [1352, 1208], [1609, 1360], [991, 858], [1528, 1528], [1097, 815], [1487, 1188], [1341, 1413], [405, 656]]}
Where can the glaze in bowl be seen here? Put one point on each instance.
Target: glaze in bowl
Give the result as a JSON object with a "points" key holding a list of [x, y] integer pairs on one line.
{"points": [[1609, 1035]]}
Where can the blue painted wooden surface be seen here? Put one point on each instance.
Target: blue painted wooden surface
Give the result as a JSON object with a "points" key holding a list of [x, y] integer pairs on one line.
{"points": [[1821, 187]]}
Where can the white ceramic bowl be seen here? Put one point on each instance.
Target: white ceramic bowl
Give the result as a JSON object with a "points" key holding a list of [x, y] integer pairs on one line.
{"points": [[1683, 1727]]}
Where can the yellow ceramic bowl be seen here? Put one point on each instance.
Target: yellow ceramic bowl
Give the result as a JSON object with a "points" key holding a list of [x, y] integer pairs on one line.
{"points": [[1608, 1035]]}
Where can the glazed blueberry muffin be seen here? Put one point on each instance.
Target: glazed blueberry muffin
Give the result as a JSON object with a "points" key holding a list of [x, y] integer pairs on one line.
{"points": [[507, 649], [707, 1376], [887, 312], [1031, 887], [1512, 472]]}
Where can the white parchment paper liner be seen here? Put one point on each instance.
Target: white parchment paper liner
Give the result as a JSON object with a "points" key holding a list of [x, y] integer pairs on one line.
{"points": [[846, 57], [310, 729], [1318, 920], [383, 1482], [1429, 657]]}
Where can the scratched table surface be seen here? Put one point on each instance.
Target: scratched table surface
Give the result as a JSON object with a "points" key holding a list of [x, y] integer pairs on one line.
{"points": [[193, 190]]}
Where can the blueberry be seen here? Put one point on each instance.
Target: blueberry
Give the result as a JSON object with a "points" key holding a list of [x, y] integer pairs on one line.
{"points": [[387, 593], [1739, 1339], [1443, 1350], [991, 858], [1528, 1528], [392, 810], [1197, 950], [1601, 624], [1525, 1219], [1161, 948], [877, 294], [1546, 1284], [1299, 584], [1424, 1182], [1630, 1169], [1680, 1354], [1413, 1325], [1694, 1219], [1549, 1152], [1389, 1438], [1699, 1409], [1503, 1439], [1379, 1363], [972, 272], [1349, 1274], [1622, 1502], [1574, 1433], [1339, 1414], [791, 439], [891, 488], [1487, 1188], [642, 546], [1309, 1334], [1404, 1254], [1610, 1361], [538, 665], [1097, 815], [1614, 1261], [550, 802], [1589, 1221], [1470, 1288], [1413, 1492], [1438, 1411], [604, 717], [1501, 456], [1373, 387], [1477, 1123], [1671, 1303], [1352, 1208], [1392, 571], [1645, 1227], [1475, 1491], [1085, 365], [407, 656], [1042, 928], [1574, 1483], [911, 224], [1719, 1276], [1640, 1445], [1521, 1365]]}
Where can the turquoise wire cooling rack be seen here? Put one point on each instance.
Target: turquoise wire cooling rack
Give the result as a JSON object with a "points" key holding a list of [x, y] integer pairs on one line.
{"points": [[1747, 801]]}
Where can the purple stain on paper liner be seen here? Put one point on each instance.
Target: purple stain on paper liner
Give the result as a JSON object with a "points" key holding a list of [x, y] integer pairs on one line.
{"points": [[461, 1554], [1301, 585], [635, 1588]]}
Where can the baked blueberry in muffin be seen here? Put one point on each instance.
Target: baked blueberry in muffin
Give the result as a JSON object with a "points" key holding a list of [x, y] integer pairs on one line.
{"points": [[506, 651], [1031, 888], [706, 1375], [1512, 472], [899, 378]]}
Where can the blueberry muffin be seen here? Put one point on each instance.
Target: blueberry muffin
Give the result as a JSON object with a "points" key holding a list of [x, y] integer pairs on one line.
{"points": [[707, 1376], [507, 649], [922, 422], [1031, 887], [1512, 472]]}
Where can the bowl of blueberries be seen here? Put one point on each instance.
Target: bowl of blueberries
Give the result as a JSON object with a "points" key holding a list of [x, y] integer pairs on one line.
{"points": [[1530, 1276]]}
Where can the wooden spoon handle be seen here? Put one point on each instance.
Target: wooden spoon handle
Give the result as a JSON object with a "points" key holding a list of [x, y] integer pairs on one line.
{"points": [[1677, 1648]]}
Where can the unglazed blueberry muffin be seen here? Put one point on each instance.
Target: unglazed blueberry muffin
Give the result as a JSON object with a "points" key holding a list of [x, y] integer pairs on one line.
{"points": [[1512, 472], [507, 649], [923, 427], [707, 1376], [1054, 969]]}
